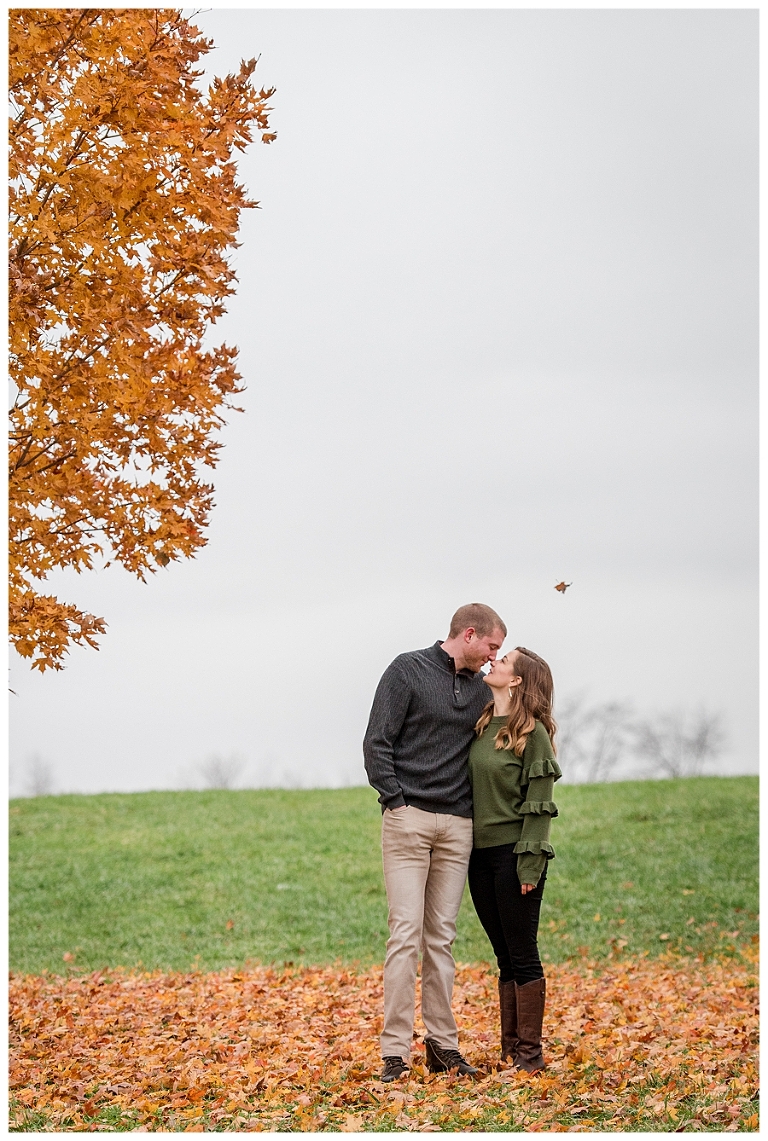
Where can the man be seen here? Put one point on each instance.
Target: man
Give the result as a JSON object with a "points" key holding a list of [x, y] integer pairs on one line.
{"points": [[416, 749]]}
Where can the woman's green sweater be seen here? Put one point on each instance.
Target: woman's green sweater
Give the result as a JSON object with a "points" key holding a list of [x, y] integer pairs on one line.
{"points": [[512, 797]]}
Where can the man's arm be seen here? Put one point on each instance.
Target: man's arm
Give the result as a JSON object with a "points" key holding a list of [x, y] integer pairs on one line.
{"points": [[389, 710]]}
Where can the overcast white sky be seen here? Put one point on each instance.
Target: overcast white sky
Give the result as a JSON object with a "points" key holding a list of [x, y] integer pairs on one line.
{"points": [[497, 316]]}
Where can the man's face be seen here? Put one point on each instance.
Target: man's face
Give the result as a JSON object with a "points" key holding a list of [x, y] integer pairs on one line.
{"points": [[478, 651]]}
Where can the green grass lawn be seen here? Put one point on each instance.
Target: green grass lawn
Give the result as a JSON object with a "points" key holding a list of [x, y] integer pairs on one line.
{"points": [[176, 880]]}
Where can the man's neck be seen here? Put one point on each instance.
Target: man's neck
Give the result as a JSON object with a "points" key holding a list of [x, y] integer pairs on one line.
{"points": [[454, 649]]}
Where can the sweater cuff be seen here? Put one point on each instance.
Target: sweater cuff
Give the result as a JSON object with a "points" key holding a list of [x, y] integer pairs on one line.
{"points": [[530, 867], [393, 800]]}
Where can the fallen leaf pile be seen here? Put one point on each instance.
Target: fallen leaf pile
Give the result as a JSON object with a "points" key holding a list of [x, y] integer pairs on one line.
{"points": [[664, 1045]]}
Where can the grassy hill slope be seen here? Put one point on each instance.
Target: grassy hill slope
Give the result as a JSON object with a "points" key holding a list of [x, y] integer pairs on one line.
{"points": [[175, 880]]}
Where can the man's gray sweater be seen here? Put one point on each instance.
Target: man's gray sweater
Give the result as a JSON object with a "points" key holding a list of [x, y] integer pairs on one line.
{"points": [[421, 726]]}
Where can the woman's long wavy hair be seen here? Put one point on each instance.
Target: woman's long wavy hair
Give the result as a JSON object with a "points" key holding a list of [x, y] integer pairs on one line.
{"points": [[531, 702]]}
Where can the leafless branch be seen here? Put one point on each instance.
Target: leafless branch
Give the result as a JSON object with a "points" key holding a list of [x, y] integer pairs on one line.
{"points": [[221, 772]]}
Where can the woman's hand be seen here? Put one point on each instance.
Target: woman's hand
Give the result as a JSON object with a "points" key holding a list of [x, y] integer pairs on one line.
{"points": [[526, 887]]}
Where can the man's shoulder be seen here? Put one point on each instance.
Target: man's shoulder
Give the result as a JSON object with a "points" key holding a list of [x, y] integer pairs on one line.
{"points": [[412, 660]]}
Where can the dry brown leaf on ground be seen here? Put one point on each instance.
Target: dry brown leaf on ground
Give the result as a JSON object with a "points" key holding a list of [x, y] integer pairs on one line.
{"points": [[636, 1043]]}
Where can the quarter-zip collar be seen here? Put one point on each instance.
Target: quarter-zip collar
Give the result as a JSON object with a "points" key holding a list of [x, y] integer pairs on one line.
{"points": [[447, 662]]}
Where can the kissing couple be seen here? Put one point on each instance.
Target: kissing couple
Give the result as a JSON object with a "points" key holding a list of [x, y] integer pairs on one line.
{"points": [[464, 765]]}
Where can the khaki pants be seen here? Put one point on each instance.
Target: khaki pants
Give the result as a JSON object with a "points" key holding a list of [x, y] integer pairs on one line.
{"points": [[425, 867]]}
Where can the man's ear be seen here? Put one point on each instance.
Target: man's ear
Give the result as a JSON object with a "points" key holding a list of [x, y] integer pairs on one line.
{"points": [[468, 633]]}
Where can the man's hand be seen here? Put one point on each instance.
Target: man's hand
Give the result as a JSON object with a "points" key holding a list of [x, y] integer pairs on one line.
{"points": [[526, 887]]}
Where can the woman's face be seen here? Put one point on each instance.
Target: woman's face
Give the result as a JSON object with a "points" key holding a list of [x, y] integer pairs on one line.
{"points": [[502, 673]]}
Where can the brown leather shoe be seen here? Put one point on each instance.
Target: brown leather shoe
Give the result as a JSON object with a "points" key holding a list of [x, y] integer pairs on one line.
{"points": [[508, 1014], [530, 1018], [440, 1059]]}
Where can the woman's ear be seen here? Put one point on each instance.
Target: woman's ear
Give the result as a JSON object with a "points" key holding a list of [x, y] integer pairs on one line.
{"points": [[515, 681]]}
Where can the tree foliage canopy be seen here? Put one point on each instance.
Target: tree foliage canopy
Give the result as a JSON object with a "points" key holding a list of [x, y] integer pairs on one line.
{"points": [[124, 202]]}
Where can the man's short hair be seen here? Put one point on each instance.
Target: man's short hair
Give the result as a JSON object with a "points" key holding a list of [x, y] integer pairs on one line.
{"points": [[480, 617]]}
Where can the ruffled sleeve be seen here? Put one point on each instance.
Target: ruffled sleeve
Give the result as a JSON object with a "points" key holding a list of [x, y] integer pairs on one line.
{"points": [[540, 771], [543, 767], [537, 807], [535, 848]]}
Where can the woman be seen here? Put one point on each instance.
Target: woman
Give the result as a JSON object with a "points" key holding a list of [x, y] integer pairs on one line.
{"points": [[513, 770]]}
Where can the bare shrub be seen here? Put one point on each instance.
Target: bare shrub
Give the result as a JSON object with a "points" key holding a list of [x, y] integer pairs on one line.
{"points": [[39, 776], [593, 740], [676, 744], [221, 772], [570, 715]]}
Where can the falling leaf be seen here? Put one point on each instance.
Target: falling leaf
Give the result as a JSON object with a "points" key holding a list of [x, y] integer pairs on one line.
{"points": [[67, 956], [563, 586], [230, 924]]}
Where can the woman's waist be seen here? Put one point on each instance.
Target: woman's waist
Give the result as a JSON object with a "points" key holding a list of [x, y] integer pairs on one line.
{"points": [[511, 826], [488, 810]]}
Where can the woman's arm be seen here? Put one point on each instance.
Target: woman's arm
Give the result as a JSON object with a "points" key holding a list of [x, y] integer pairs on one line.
{"points": [[533, 847]]}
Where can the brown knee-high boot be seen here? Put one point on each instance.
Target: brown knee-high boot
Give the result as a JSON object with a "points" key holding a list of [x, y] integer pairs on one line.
{"points": [[530, 1017], [508, 1012]]}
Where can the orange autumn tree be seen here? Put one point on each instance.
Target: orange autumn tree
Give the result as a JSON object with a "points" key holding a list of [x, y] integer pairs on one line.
{"points": [[123, 205]]}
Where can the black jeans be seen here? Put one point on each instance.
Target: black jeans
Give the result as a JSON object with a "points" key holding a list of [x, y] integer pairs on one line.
{"points": [[510, 919]]}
